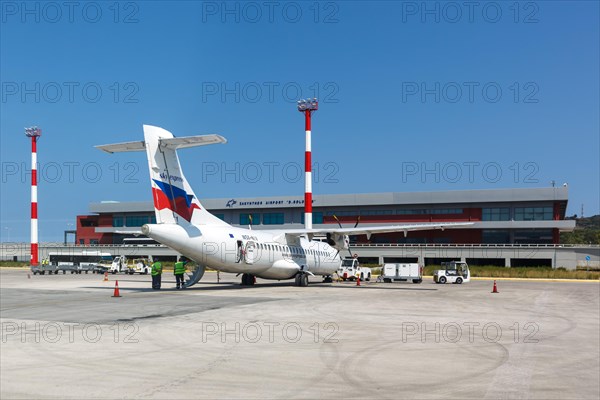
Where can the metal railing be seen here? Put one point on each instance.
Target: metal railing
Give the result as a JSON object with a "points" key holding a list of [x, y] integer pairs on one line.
{"points": [[474, 245]]}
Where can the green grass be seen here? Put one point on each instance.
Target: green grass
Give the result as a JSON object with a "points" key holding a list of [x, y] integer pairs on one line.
{"points": [[13, 264]]}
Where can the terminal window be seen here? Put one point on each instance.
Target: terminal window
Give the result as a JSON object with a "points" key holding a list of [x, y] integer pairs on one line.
{"points": [[495, 214], [245, 219], [411, 211], [118, 221], [533, 213], [447, 211], [534, 236], [220, 216], [273, 218], [492, 236], [317, 218], [376, 212], [88, 223], [342, 213], [139, 220]]}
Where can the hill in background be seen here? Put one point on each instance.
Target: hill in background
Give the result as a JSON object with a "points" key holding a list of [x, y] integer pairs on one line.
{"points": [[587, 231]]}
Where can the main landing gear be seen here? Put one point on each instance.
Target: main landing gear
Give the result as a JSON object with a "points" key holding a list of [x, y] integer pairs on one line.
{"points": [[248, 280], [327, 279], [301, 280]]}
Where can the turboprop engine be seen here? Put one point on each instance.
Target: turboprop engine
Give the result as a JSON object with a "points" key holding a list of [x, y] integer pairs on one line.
{"points": [[338, 241]]}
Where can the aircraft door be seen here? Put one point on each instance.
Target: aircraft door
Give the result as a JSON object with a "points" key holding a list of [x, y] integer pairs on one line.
{"points": [[239, 251], [250, 252]]}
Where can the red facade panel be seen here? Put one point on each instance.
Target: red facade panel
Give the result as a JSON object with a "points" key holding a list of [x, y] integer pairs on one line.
{"points": [[86, 229]]}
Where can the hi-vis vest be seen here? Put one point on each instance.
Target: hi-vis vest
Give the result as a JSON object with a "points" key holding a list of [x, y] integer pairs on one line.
{"points": [[179, 268], [156, 269]]}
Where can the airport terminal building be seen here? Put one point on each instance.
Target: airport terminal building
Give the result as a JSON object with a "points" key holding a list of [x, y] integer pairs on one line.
{"points": [[499, 216]]}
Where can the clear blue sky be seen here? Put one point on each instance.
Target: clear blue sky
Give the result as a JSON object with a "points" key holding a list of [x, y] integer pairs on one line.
{"points": [[444, 97]]}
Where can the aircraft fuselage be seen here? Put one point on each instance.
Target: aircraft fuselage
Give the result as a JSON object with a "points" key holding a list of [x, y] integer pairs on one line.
{"points": [[262, 253]]}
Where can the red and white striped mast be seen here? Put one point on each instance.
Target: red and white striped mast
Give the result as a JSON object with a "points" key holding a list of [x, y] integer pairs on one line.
{"points": [[34, 133], [308, 107]]}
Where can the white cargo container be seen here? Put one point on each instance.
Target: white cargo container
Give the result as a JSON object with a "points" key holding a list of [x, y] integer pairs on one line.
{"points": [[402, 272]]}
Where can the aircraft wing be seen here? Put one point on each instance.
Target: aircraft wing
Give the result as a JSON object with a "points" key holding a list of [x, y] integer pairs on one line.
{"points": [[369, 230], [137, 232]]}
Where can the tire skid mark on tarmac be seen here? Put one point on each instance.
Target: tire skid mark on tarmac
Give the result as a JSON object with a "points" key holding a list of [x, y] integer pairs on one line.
{"points": [[251, 314], [356, 373], [349, 373], [362, 357], [326, 349], [513, 380], [222, 358]]}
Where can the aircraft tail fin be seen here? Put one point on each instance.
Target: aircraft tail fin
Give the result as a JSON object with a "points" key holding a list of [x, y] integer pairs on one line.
{"points": [[174, 199]]}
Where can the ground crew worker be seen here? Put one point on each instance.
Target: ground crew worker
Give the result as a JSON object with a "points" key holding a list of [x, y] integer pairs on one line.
{"points": [[178, 271], [156, 273]]}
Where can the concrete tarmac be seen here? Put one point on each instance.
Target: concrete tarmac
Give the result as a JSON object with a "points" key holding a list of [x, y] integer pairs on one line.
{"points": [[64, 336]]}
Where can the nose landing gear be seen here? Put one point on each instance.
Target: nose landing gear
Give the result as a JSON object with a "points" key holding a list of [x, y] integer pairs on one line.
{"points": [[301, 280]]}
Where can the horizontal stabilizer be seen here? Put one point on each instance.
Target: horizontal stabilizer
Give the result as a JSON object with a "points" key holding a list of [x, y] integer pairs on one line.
{"points": [[191, 141], [173, 197], [165, 143], [121, 147]]}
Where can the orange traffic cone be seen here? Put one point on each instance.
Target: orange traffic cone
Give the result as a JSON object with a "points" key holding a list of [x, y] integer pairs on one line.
{"points": [[105, 276], [116, 293], [495, 290], [358, 281]]}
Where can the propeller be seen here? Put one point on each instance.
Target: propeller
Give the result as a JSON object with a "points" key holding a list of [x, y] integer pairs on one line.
{"points": [[329, 240], [337, 220], [340, 225]]}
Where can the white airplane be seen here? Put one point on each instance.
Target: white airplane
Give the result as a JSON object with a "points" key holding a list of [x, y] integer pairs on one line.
{"points": [[183, 224]]}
